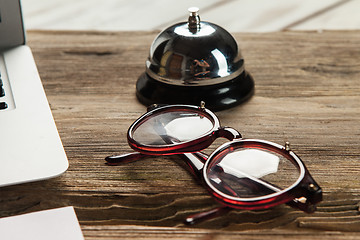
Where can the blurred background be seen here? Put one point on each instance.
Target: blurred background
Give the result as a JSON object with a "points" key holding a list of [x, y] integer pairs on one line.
{"points": [[233, 15]]}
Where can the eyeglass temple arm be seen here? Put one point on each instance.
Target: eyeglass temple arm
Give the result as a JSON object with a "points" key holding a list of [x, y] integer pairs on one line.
{"points": [[124, 158], [212, 213], [207, 215], [297, 203], [195, 160]]}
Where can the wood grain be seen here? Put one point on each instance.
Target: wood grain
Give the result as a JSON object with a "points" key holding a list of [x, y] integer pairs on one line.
{"points": [[234, 15], [307, 92]]}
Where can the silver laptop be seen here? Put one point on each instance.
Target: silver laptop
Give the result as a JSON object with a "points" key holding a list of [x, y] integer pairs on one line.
{"points": [[30, 146]]}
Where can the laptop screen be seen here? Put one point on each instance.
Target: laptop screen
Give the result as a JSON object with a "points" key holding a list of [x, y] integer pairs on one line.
{"points": [[11, 24]]}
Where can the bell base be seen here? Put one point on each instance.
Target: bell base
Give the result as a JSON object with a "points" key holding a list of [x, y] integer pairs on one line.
{"points": [[216, 97]]}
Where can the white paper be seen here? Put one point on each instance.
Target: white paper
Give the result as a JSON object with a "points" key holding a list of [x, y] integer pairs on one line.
{"points": [[60, 223]]}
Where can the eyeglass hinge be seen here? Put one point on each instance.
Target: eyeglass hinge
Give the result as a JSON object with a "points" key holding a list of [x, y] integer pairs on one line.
{"points": [[302, 200], [312, 187]]}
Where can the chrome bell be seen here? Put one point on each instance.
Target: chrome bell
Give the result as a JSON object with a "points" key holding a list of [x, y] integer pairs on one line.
{"points": [[195, 61]]}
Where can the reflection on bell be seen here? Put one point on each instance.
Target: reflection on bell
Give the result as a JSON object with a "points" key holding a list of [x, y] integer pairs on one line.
{"points": [[195, 61]]}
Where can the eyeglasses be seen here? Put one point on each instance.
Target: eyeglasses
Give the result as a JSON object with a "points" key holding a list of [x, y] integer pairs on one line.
{"points": [[242, 173]]}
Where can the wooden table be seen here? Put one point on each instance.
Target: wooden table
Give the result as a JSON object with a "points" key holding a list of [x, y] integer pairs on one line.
{"points": [[307, 92]]}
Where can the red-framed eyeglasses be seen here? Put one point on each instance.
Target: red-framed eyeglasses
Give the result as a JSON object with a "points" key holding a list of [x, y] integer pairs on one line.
{"points": [[243, 173]]}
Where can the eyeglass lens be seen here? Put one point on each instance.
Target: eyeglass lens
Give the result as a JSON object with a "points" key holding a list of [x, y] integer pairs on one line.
{"points": [[250, 172], [172, 127]]}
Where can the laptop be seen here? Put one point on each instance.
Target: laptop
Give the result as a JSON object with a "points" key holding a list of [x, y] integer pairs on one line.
{"points": [[30, 146]]}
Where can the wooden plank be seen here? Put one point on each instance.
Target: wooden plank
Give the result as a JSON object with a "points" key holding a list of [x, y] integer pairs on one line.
{"points": [[235, 15], [107, 14], [344, 17], [304, 95], [262, 15]]}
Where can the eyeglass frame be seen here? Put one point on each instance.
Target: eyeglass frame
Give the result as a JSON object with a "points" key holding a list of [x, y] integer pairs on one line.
{"points": [[303, 194]]}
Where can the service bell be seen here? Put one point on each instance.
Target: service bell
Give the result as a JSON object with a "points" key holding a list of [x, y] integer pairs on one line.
{"points": [[195, 61]]}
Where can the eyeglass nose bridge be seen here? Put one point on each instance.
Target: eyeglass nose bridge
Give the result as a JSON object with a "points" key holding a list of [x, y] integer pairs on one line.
{"points": [[228, 133]]}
